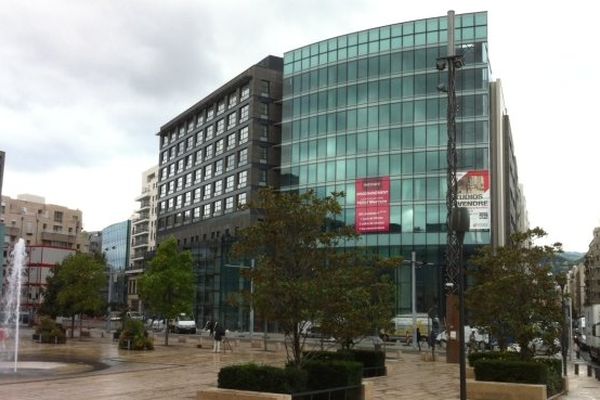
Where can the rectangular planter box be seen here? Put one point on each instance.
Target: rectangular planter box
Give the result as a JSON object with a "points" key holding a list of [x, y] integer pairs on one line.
{"points": [[486, 390], [231, 394]]}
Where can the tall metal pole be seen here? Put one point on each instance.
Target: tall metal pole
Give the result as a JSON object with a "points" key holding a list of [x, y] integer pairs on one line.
{"points": [[251, 301], [413, 262], [452, 62]]}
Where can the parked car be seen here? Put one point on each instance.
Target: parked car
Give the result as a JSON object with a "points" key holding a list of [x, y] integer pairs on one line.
{"points": [[183, 323], [481, 340]]}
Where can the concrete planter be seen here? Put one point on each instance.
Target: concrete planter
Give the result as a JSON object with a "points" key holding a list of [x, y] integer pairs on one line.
{"points": [[231, 394], [486, 390]]}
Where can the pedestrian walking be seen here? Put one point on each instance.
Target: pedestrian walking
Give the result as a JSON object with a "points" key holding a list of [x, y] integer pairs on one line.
{"points": [[419, 338], [210, 327], [219, 333]]}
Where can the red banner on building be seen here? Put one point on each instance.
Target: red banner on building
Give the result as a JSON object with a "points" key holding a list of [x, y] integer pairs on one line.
{"points": [[373, 205]]}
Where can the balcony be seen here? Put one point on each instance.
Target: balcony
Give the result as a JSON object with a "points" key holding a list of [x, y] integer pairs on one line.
{"points": [[58, 237]]}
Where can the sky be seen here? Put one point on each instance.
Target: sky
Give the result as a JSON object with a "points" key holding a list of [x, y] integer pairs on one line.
{"points": [[86, 85]]}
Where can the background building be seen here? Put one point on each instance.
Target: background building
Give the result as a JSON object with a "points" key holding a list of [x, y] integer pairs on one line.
{"points": [[143, 236], [116, 239], [592, 271], [213, 158], [365, 110]]}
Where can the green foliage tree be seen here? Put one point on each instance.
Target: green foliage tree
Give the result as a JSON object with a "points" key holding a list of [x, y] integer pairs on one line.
{"points": [[167, 287], [76, 288], [358, 297], [295, 247], [515, 294]]}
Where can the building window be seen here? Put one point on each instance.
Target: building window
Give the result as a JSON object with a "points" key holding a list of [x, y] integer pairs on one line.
{"points": [[262, 177], [229, 183], [217, 207], [264, 132], [219, 167], [221, 107], [229, 204], [58, 216], [171, 204], [188, 199], [189, 161], [220, 126], [265, 88], [206, 213], [243, 135], [244, 112], [163, 191], [230, 162], [198, 157], [243, 156], [207, 171], [163, 174], [162, 206], [164, 140], [196, 212], [208, 152], [231, 120], [242, 179], [197, 195], [210, 114], [179, 183], [241, 199], [180, 148], [219, 146], [171, 187], [164, 157], [232, 99], [181, 132], [207, 191], [263, 110], [231, 141], [218, 187], [245, 93], [200, 119], [190, 126], [190, 143], [263, 154], [198, 175], [180, 166], [210, 130], [188, 180], [199, 137]]}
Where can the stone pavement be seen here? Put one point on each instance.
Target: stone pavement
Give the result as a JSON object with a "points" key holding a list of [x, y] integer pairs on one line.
{"points": [[96, 369]]}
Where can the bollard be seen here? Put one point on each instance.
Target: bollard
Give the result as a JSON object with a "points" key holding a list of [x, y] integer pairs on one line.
{"points": [[597, 373], [576, 369], [589, 370]]}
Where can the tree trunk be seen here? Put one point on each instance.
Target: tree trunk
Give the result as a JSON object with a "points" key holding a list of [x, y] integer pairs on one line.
{"points": [[72, 325]]}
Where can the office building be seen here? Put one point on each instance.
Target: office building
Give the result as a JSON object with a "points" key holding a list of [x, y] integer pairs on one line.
{"points": [[213, 158], [116, 239], [365, 113], [592, 271], [143, 236]]}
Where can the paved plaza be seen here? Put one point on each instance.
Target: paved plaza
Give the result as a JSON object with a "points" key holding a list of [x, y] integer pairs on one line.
{"points": [[93, 368]]}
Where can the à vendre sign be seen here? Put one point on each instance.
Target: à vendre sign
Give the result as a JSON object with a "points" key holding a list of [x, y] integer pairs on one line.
{"points": [[372, 205]]}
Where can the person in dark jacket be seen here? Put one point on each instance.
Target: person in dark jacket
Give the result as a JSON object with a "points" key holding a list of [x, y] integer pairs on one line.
{"points": [[219, 332]]}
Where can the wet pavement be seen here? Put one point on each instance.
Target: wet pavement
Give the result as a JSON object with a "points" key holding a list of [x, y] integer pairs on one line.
{"points": [[93, 368]]}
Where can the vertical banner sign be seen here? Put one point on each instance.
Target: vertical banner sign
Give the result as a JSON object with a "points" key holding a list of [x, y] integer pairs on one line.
{"points": [[373, 205], [474, 194]]}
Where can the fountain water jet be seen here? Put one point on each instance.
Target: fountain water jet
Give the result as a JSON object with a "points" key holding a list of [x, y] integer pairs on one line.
{"points": [[11, 300]]}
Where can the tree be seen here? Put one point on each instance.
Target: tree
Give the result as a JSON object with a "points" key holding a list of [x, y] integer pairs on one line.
{"points": [[295, 246], [358, 298], [515, 294], [167, 287], [76, 288]]}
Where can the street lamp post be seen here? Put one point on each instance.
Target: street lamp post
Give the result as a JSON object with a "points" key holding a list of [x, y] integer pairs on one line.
{"points": [[459, 223], [413, 273]]}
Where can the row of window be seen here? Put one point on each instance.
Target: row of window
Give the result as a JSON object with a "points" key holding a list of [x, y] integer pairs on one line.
{"points": [[207, 114], [205, 192], [207, 153], [429, 162], [464, 37], [382, 140], [205, 211], [203, 173], [405, 62], [381, 91], [384, 32], [204, 135], [384, 115]]}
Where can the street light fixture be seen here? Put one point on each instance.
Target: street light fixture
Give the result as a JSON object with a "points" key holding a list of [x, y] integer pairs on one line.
{"points": [[459, 224]]}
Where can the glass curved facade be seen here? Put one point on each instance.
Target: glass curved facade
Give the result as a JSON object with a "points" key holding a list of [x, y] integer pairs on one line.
{"points": [[370, 105]]}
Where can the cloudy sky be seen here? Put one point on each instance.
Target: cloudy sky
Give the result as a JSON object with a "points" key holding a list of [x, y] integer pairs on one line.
{"points": [[85, 85]]}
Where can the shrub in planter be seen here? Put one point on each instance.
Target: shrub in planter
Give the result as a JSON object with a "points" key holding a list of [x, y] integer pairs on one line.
{"points": [[492, 355], [135, 337], [373, 361], [554, 382], [511, 371], [49, 331], [334, 373], [262, 378]]}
